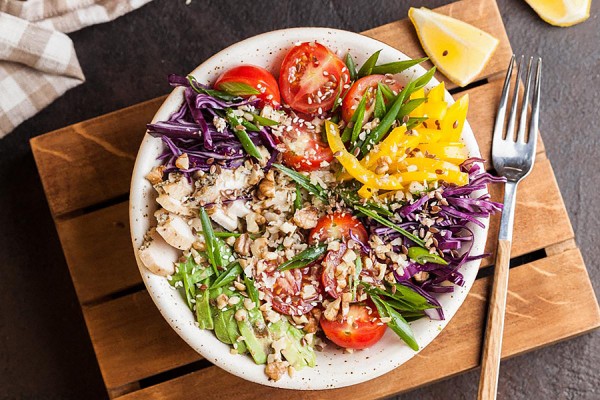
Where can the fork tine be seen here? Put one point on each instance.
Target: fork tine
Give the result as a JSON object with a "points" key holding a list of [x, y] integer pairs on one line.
{"points": [[523, 118], [510, 129], [535, 107], [501, 114]]}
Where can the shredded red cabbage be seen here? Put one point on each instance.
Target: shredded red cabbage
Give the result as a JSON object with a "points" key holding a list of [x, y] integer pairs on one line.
{"points": [[454, 237], [191, 130]]}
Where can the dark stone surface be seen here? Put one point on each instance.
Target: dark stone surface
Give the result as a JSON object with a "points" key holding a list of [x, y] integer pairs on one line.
{"points": [[45, 352]]}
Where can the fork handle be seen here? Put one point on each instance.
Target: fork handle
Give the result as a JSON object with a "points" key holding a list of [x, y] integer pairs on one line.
{"points": [[492, 347], [490, 360]]}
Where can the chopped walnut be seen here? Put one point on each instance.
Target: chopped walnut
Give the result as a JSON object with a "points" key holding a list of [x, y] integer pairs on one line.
{"points": [[259, 247], [156, 174], [242, 245], [306, 218], [266, 187], [332, 309], [276, 370], [183, 161]]}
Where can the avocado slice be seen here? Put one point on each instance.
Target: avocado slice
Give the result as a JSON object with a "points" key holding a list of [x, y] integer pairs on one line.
{"points": [[255, 335], [297, 354]]}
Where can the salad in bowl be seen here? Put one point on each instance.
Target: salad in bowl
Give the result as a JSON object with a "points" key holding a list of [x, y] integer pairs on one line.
{"points": [[309, 206]]}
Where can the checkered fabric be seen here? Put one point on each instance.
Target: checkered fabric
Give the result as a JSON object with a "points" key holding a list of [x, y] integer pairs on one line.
{"points": [[37, 59]]}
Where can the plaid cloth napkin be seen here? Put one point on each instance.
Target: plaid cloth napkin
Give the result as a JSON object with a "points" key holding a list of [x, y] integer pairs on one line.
{"points": [[37, 60]]}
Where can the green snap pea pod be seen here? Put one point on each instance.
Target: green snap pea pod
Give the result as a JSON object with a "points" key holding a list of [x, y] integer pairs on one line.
{"points": [[396, 67], [369, 65], [240, 132], [423, 256], [397, 323]]}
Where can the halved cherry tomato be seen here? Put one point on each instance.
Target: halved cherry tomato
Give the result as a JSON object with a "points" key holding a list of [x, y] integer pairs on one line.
{"points": [[357, 90], [305, 151], [286, 293], [338, 225], [257, 77], [331, 261], [359, 330], [310, 78]]}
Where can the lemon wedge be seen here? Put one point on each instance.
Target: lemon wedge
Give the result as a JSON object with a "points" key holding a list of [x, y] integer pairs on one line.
{"points": [[562, 12], [458, 49]]}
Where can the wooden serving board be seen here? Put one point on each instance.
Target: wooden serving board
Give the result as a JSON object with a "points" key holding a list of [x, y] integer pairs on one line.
{"points": [[141, 357]]}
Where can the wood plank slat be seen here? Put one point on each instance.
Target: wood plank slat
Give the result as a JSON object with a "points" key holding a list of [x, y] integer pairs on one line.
{"points": [[90, 162], [483, 14], [532, 292], [99, 253], [132, 340]]}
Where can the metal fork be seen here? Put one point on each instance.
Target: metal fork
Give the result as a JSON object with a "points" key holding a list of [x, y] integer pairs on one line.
{"points": [[513, 158]]}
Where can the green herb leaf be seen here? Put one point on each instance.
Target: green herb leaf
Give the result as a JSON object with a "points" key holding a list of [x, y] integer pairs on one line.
{"points": [[359, 117], [233, 271], [373, 215], [396, 67], [397, 323], [249, 126], [264, 121], [414, 122], [304, 258], [222, 252], [251, 290], [227, 234], [424, 79], [209, 239], [423, 256], [380, 107], [351, 66], [303, 181], [357, 271], [386, 122], [387, 92], [187, 276], [348, 194], [298, 199], [242, 135], [352, 130], [238, 89], [409, 107], [404, 299], [217, 94], [369, 65]]}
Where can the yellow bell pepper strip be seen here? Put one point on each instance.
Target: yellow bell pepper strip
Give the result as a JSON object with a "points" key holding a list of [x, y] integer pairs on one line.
{"points": [[444, 170], [354, 167], [436, 111], [419, 111], [418, 176], [453, 152], [456, 177], [428, 135], [394, 146], [365, 192], [430, 164], [437, 93], [454, 120]]}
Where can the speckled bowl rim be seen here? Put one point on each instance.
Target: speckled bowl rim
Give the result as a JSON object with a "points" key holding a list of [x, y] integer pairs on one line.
{"points": [[334, 368]]}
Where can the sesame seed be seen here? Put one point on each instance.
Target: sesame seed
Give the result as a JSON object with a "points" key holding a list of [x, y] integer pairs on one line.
{"points": [[455, 124]]}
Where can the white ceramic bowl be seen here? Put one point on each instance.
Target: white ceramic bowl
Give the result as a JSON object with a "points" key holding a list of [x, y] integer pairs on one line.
{"points": [[334, 368]]}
